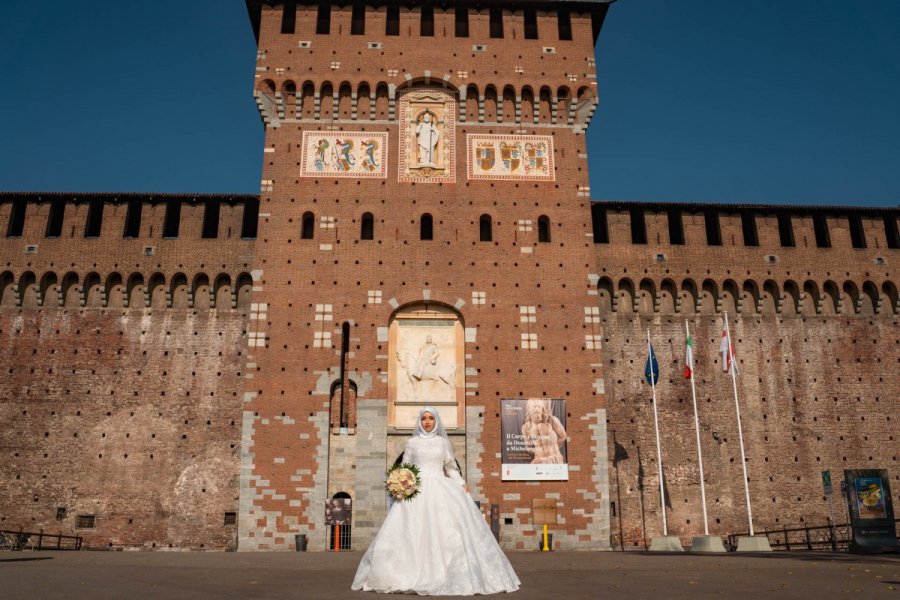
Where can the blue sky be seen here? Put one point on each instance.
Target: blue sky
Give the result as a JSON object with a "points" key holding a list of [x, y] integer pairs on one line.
{"points": [[774, 101]]}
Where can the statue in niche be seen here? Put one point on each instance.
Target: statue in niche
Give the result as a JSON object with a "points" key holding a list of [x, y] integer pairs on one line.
{"points": [[427, 136], [426, 366]]}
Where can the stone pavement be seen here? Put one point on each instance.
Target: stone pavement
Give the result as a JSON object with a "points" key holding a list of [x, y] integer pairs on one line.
{"points": [[553, 576]]}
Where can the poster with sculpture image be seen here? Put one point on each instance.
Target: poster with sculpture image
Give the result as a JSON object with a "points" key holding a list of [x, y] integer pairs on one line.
{"points": [[533, 440]]}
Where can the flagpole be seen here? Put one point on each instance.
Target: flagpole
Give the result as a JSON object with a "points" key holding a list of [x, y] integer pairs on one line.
{"points": [[662, 492], [697, 429], [737, 408]]}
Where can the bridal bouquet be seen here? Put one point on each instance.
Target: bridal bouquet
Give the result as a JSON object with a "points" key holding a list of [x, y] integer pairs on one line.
{"points": [[403, 482]]}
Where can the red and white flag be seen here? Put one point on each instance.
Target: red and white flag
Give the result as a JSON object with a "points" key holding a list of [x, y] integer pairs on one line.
{"points": [[727, 354], [688, 359]]}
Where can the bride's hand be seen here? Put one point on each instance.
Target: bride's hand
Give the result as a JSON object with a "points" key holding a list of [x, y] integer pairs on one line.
{"points": [[466, 488]]}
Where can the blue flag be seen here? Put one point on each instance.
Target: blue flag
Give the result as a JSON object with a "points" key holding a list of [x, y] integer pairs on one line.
{"points": [[651, 371]]}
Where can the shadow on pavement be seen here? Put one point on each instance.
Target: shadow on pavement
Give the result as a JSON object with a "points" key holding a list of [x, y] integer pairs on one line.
{"points": [[26, 559]]}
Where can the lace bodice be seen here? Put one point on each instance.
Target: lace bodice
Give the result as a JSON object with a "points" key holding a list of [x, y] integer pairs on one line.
{"points": [[432, 456]]}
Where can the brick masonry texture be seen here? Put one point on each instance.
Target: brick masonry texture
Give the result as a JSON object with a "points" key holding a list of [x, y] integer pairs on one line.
{"points": [[159, 382]]}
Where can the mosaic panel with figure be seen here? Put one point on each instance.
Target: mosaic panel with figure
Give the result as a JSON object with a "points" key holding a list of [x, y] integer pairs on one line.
{"points": [[344, 154]]}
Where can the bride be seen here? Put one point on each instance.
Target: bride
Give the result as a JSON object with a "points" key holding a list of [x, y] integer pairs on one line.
{"points": [[437, 543]]}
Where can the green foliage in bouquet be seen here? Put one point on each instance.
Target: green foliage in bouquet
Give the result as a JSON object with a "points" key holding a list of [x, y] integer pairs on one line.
{"points": [[403, 482]]}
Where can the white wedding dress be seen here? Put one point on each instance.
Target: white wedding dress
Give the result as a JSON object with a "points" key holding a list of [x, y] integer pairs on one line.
{"points": [[437, 543]]}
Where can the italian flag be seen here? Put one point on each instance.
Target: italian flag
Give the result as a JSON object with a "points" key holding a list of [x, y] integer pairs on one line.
{"points": [[689, 359]]}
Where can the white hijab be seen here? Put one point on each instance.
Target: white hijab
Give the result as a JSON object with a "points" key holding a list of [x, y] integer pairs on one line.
{"points": [[438, 424]]}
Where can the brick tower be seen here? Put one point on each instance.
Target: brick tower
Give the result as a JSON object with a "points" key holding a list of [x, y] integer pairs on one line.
{"points": [[424, 238]]}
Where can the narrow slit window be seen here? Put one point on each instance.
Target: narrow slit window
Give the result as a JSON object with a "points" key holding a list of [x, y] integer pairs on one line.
{"points": [[820, 229], [426, 29], [462, 21], [426, 228], [544, 229], [891, 232], [857, 232], [496, 22], [289, 16], [172, 219], [367, 229], [748, 228], [676, 227], [531, 24], [392, 25], [133, 219], [785, 230], [211, 220], [250, 220], [358, 19], [16, 224], [638, 226], [600, 223], [55, 218], [308, 226], [485, 229], [565, 24], [323, 19], [713, 229], [94, 222]]}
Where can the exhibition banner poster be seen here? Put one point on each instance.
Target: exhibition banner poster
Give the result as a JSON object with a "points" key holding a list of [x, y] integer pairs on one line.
{"points": [[533, 440]]}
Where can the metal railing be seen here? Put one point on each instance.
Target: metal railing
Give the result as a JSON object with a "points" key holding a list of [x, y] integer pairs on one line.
{"points": [[28, 540], [821, 538]]}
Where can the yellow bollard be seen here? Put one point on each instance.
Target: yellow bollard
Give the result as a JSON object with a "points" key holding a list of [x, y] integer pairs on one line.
{"points": [[546, 547]]}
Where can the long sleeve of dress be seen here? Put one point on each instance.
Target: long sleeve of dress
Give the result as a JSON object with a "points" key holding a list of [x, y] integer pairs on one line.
{"points": [[451, 468]]}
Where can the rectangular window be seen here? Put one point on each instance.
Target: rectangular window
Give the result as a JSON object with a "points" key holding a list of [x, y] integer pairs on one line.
{"points": [[172, 220], [565, 24], [250, 220], [323, 19], [289, 16], [133, 219], [462, 21], [211, 219], [638, 226], [890, 231], [358, 19], [426, 29], [676, 227], [713, 230], [600, 224], [392, 27], [531, 25], [94, 219], [496, 16], [748, 226], [84, 522], [820, 228], [857, 232], [55, 219], [16, 219], [231, 518], [785, 230]]}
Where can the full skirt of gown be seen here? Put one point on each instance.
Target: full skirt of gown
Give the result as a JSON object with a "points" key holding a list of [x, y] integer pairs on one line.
{"points": [[435, 544]]}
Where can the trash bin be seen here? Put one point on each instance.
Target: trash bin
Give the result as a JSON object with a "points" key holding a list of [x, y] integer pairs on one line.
{"points": [[541, 541], [300, 541]]}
